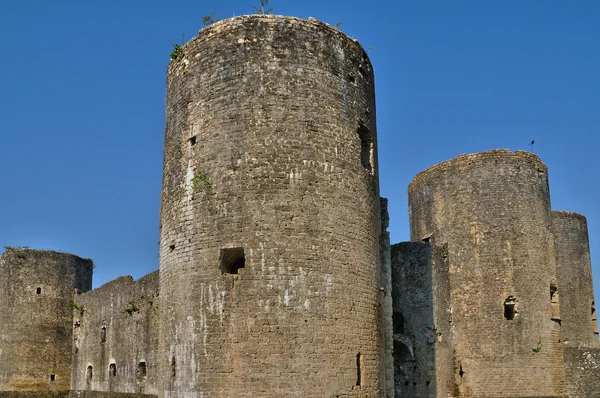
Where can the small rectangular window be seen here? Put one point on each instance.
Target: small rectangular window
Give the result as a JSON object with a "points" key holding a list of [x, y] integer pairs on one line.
{"points": [[359, 369], [52, 377], [510, 308], [366, 147], [141, 369], [38, 290], [232, 260]]}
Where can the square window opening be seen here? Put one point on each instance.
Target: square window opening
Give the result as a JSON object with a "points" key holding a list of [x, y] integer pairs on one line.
{"points": [[232, 260]]}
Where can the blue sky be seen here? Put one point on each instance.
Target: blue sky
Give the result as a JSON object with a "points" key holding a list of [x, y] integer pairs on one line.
{"points": [[83, 91]]}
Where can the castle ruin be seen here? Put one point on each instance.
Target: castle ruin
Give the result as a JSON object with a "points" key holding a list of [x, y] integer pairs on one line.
{"points": [[277, 277]]}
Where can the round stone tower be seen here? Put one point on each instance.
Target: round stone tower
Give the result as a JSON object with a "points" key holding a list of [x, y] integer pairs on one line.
{"points": [[574, 269], [270, 220], [493, 211], [36, 317]]}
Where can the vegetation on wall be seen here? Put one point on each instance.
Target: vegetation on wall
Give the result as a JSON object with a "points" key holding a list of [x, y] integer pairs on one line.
{"points": [[201, 181], [262, 9], [130, 308]]}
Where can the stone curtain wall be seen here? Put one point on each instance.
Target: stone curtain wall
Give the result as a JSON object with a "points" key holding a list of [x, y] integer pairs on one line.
{"points": [[387, 347], [116, 333], [36, 293], [493, 211], [270, 164], [422, 321]]}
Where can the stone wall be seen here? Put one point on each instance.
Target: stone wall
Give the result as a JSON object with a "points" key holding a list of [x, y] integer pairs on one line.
{"points": [[582, 368], [270, 219], [422, 319], [493, 211], [575, 288], [116, 337], [387, 346], [36, 295]]}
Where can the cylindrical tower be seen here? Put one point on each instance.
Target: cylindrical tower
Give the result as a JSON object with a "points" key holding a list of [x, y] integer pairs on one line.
{"points": [[493, 211], [36, 314], [270, 220], [574, 270]]}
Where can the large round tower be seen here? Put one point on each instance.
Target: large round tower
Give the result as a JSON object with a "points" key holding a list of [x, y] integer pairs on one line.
{"points": [[574, 269], [493, 211], [270, 221], [36, 317]]}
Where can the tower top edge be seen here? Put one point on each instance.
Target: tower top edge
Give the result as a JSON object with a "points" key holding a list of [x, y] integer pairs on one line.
{"points": [[10, 251], [465, 161]]}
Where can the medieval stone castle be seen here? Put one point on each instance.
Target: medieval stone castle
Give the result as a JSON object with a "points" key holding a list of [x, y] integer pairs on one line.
{"points": [[277, 278]]}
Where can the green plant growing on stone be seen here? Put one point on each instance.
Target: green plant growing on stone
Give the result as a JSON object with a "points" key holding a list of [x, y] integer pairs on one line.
{"points": [[539, 345], [208, 19], [177, 52], [263, 8], [78, 307], [17, 250], [13, 248], [338, 24], [200, 181], [130, 308]]}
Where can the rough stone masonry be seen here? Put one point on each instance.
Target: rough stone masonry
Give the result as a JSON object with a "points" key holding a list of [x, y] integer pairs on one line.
{"points": [[277, 278]]}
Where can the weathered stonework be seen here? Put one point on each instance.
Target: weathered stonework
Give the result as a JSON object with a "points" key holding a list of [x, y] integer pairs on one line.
{"points": [[115, 333], [576, 291], [387, 362], [422, 318], [270, 159], [277, 278], [493, 211], [36, 294]]}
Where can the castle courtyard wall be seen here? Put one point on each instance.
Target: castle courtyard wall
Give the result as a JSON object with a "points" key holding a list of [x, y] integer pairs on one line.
{"points": [[116, 334], [423, 360]]}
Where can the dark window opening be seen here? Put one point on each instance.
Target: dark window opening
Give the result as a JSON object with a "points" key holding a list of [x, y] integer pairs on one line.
{"points": [[351, 79], [112, 369], [427, 239], [52, 377], [402, 353], [172, 247], [38, 290], [460, 372], [232, 260], [553, 290], [192, 141], [89, 373], [142, 369], [359, 369], [594, 318], [427, 383], [366, 147], [103, 334], [398, 322], [555, 315], [510, 308], [173, 366]]}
